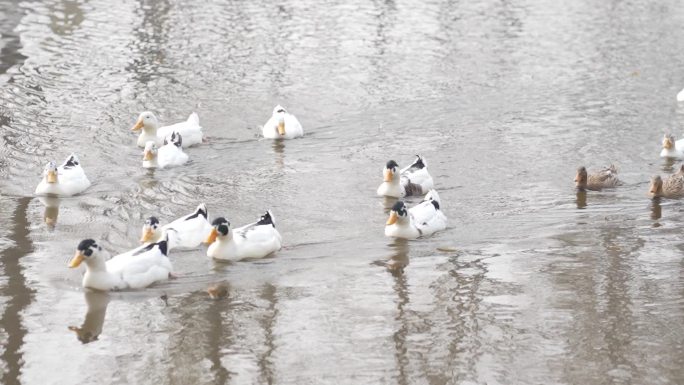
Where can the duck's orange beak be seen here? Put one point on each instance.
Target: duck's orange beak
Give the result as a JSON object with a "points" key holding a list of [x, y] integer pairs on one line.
{"points": [[138, 125], [76, 260], [51, 177], [388, 174], [667, 144], [147, 235], [281, 127], [212, 237], [148, 155], [392, 219]]}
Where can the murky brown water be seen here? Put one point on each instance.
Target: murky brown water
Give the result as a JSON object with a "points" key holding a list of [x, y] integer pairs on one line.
{"points": [[544, 286]]}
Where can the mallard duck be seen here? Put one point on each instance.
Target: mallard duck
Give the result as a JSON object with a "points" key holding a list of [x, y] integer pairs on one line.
{"points": [[671, 187], [169, 155], [135, 269], [412, 180], [605, 178], [147, 121], [255, 240], [191, 230], [65, 180], [282, 125], [420, 220], [672, 148]]}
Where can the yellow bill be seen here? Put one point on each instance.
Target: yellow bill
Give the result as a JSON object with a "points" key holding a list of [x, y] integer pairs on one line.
{"points": [[281, 127], [76, 260], [138, 125], [212, 237], [147, 235], [388, 174], [392, 219], [51, 177]]}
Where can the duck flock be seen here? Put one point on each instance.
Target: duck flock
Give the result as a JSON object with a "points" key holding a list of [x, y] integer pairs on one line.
{"points": [[164, 147]]}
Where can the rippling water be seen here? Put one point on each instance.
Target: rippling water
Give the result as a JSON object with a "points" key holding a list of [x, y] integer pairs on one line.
{"points": [[531, 282]]}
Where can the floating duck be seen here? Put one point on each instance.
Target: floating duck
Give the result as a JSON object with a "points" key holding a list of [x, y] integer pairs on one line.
{"points": [[671, 187], [605, 178], [412, 180], [255, 240], [135, 269], [169, 155], [282, 125], [147, 121], [420, 220], [191, 230], [65, 180], [672, 148]]}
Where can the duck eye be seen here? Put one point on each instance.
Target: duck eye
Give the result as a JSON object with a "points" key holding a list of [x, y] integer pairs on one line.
{"points": [[88, 252]]}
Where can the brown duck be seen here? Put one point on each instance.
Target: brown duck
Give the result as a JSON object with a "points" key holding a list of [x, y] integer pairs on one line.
{"points": [[671, 187], [605, 178]]}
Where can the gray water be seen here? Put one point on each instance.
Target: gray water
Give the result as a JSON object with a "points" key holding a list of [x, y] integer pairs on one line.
{"points": [[531, 283]]}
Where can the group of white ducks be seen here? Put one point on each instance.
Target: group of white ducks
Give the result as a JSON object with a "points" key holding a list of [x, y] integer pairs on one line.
{"points": [[163, 147]]}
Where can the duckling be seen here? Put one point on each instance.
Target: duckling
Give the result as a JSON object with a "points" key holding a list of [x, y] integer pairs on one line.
{"points": [[148, 123], [411, 180], [169, 155], [605, 178], [420, 220], [255, 240], [672, 148], [671, 187], [282, 125], [65, 180]]}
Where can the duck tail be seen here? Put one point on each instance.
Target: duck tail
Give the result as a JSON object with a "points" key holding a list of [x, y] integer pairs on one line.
{"points": [[193, 118]]}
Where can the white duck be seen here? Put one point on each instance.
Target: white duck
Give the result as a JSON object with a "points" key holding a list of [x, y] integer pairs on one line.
{"points": [[420, 220], [169, 155], [65, 180], [282, 125], [672, 148], [680, 96], [147, 121], [135, 269], [255, 240], [412, 180], [191, 229]]}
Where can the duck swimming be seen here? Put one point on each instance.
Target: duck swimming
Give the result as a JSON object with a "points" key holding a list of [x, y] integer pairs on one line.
{"points": [[671, 187], [412, 180], [421, 220], [191, 230], [169, 155], [135, 269], [255, 240], [148, 123], [65, 180], [605, 178], [282, 125], [672, 148]]}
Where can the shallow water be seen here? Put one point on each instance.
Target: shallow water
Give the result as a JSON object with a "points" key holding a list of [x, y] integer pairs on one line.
{"points": [[531, 283]]}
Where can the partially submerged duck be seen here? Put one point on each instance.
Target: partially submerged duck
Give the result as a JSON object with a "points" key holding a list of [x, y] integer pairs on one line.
{"points": [[420, 220], [605, 178], [411, 180], [255, 240], [282, 125], [191, 230], [65, 180], [148, 123]]}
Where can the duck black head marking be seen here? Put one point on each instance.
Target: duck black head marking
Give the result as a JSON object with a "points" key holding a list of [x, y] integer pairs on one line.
{"points": [[266, 219], [86, 246], [391, 165], [400, 208], [222, 225], [152, 221]]}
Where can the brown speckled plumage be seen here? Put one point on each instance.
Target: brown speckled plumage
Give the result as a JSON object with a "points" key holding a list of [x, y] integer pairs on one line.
{"points": [[605, 178], [671, 187]]}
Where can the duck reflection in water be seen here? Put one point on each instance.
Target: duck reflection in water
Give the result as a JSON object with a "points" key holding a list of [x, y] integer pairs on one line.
{"points": [[278, 150], [581, 199], [51, 210], [90, 330], [656, 209], [400, 257]]}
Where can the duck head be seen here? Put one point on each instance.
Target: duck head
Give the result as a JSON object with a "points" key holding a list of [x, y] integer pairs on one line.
{"points": [[656, 188], [668, 141], [50, 172], [279, 113], [581, 178], [399, 213], [150, 230], [390, 171], [87, 251], [146, 120], [221, 228]]}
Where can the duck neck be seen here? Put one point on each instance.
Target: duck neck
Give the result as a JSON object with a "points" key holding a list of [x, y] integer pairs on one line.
{"points": [[97, 265]]}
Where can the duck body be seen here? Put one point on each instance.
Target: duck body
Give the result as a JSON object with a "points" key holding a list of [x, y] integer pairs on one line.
{"points": [[191, 230], [421, 220], [411, 180], [65, 180], [605, 178], [672, 148], [135, 269], [169, 155], [672, 187], [253, 241], [282, 125], [148, 123]]}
